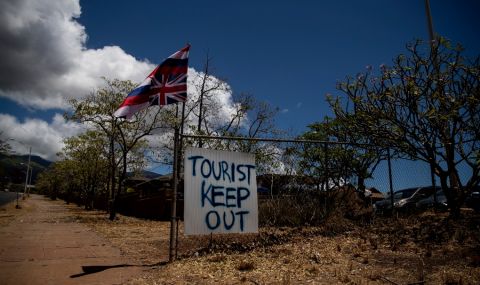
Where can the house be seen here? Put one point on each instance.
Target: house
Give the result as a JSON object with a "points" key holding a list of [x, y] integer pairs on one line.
{"points": [[150, 198], [376, 195]]}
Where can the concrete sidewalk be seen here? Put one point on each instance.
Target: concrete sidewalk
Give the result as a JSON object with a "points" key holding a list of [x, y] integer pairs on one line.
{"points": [[42, 245]]}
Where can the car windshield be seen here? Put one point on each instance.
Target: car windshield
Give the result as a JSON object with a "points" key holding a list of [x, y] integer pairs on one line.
{"points": [[404, 193], [398, 195]]}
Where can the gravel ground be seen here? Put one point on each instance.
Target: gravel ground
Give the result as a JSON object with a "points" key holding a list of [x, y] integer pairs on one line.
{"points": [[424, 249]]}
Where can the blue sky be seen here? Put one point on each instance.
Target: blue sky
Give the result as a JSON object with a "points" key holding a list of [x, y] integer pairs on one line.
{"points": [[289, 53]]}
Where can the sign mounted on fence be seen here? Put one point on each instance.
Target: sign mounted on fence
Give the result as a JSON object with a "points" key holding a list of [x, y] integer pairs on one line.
{"points": [[220, 192]]}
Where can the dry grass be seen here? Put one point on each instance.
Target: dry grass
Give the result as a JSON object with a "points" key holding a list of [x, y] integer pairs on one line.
{"points": [[8, 212], [428, 248], [6, 215]]}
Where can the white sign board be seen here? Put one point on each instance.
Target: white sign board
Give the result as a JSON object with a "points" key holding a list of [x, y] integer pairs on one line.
{"points": [[220, 192]]}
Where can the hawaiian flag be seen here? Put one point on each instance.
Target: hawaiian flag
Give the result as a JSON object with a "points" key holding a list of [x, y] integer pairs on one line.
{"points": [[166, 84]]}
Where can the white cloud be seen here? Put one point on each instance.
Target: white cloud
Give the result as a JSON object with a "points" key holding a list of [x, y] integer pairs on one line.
{"points": [[45, 139], [44, 61], [218, 103], [44, 57]]}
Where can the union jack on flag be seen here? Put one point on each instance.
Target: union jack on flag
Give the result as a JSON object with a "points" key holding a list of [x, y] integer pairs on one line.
{"points": [[166, 84]]}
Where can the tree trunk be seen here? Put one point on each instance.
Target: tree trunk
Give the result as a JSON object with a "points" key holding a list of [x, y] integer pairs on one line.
{"points": [[455, 189], [113, 212], [111, 202], [361, 183], [69, 193], [113, 209]]}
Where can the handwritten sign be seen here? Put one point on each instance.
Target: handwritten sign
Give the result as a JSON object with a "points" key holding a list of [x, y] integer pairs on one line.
{"points": [[220, 192]]}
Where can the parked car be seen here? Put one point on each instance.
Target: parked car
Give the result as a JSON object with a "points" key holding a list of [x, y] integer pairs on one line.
{"points": [[429, 202], [385, 205], [404, 200], [473, 200]]}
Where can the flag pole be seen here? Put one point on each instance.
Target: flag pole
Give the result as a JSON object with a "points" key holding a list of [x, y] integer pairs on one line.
{"points": [[177, 148], [171, 256], [180, 167]]}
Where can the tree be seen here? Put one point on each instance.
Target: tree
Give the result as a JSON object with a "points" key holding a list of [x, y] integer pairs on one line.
{"points": [[250, 119], [5, 147], [97, 111], [85, 154], [213, 110], [427, 107], [242, 116], [49, 181], [131, 143], [70, 185], [348, 155]]}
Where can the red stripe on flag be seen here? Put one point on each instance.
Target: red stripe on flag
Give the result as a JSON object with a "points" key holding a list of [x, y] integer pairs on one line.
{"points": [[171, 70]]}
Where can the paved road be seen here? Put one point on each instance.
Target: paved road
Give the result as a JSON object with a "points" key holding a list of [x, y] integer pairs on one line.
{"points": [[44, 245], [7, 197]]}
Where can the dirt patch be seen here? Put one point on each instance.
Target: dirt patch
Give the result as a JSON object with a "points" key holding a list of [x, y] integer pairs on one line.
{"points": [[9, 212], [423, 249]]}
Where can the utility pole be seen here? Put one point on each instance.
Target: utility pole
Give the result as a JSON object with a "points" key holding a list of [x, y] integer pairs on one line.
{"points": [[30, 181], [432, 49], [430, 23], [28, 171]]}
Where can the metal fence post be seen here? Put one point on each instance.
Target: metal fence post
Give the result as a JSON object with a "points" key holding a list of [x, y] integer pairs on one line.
{"points": [[432, 173], [171, 256], [390, 180], [326, 174]]}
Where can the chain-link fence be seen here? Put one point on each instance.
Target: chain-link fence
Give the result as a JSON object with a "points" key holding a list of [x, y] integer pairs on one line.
{"points": [[306, 182]]}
